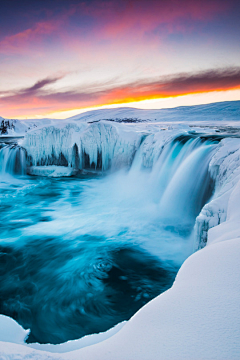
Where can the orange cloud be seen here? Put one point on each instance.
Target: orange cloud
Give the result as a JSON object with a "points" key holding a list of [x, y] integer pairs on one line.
{"points": [[38, 100]]}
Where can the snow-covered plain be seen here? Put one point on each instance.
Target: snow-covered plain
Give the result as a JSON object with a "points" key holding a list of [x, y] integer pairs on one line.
{"points": [[199, 317], [210, 114]]}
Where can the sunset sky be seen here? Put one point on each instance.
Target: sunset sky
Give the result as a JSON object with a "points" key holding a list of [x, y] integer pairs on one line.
{"points": [[58, 57]]}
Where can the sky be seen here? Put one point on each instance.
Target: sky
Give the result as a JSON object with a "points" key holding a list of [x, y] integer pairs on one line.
{"points": [[62, 57]]}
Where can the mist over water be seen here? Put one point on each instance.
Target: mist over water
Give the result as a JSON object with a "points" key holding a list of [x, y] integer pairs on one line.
{"points": [[82, 254]]}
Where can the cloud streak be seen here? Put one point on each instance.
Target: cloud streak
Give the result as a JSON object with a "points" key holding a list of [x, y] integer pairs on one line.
{"points": [[39, 98], [39, 85], [32, 90]]}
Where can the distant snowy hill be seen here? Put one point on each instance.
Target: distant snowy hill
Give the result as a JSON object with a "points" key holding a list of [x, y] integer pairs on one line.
{"points": [[229, 110], [217, 112]]}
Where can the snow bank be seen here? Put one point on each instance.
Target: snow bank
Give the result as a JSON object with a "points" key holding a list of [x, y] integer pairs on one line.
{"points": [[80, 343], [11, 331]]}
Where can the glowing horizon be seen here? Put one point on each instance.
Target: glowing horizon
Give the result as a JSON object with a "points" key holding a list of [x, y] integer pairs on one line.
{"points": [[148, 104]]}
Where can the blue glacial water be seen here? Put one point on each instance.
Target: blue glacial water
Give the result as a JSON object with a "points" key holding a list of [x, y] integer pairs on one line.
{"points": [[79, 255]]}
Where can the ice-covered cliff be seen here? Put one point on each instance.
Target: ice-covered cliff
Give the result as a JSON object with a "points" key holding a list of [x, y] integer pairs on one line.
{"points": [[99, 145], [224, 168]]}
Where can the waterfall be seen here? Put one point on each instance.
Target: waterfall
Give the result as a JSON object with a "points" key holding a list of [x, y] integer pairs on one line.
{"points": [[12, 160], [179, 183], [181, 177], [109, 244]]}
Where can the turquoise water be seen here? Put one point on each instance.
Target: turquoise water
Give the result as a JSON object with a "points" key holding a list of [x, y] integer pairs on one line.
{"points": [[79, 255]]}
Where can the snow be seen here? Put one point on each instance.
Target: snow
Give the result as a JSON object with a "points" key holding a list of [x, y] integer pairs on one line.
{"points": [[229, 228], [109, 138], [223, 111], [211, 114], [12, 331], [199, 317], [80, 343], [18, 128]]}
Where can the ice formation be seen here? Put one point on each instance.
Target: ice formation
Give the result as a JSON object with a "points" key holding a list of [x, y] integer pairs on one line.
{"points": [[224, 168], [98, 145]]}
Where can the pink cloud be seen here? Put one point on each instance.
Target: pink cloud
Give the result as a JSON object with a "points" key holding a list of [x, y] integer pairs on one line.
{"points": [[114, 21], [128, 18], [18, 42]]}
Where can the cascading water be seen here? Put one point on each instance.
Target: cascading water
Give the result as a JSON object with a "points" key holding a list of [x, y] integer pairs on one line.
{"points": [[79, 255], [12, 160], [187, 183]]}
